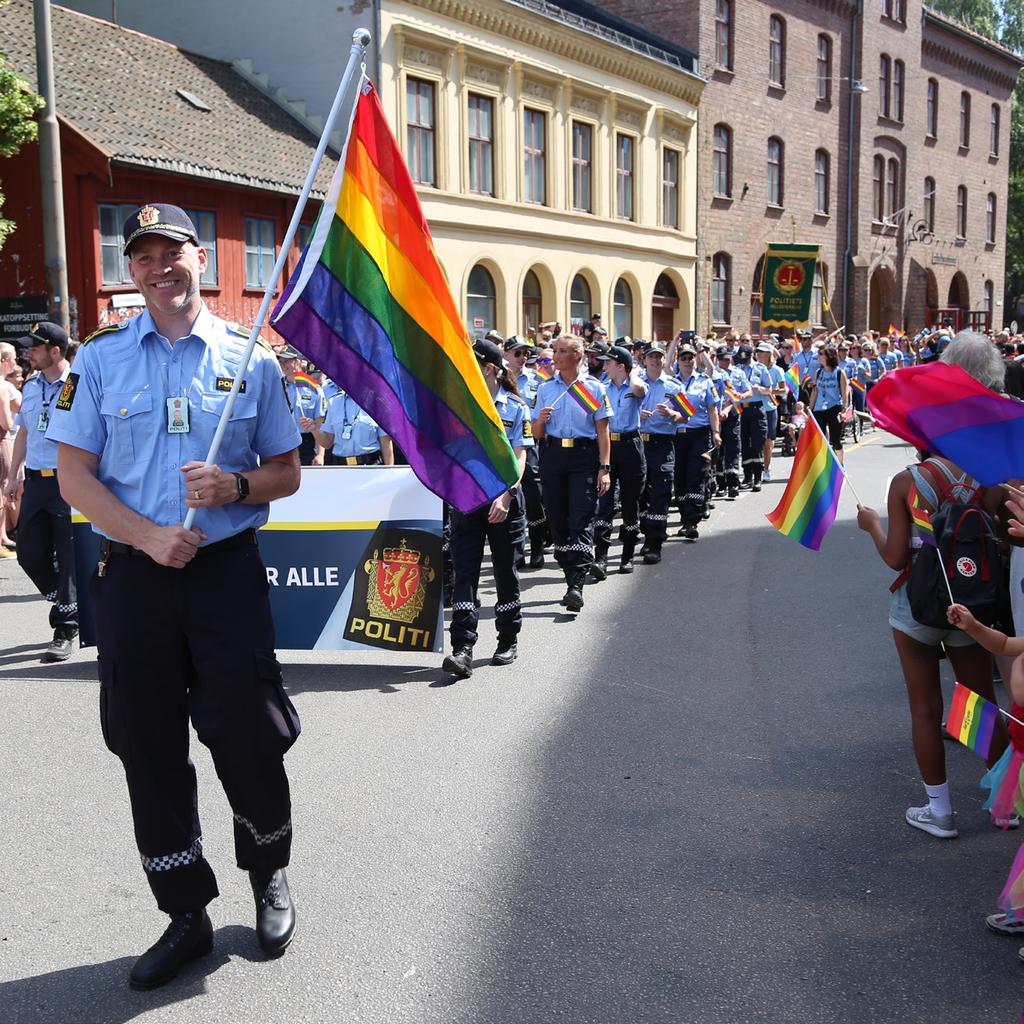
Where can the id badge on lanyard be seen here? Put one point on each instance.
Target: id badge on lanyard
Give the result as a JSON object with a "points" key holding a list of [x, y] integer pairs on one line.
{"points": [[177, 415]]}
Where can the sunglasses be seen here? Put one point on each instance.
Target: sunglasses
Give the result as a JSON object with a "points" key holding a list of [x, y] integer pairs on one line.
{"points": [[544, 359], [687, 357]]}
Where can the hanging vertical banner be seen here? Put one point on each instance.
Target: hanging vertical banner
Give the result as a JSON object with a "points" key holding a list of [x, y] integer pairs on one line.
{"points": [[354, 561], [788, 283]]}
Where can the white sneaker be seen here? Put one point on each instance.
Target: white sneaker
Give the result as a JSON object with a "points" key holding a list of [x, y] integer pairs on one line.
{"points": [[933, 824], [1002, 925], [766, 476]]}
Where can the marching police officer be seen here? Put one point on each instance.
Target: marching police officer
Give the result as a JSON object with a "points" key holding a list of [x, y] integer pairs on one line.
{"points": [[45, 549], [629, 468], [307, 402], [696, 435], [517, 350], [753, 424], [732, 386], [659, 416], [501, 524], [571, 422], [352, 437], [183, 619]]}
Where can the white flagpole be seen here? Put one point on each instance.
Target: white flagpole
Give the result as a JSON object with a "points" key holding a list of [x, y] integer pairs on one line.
{"points": [[842, 468], [360, 41]]}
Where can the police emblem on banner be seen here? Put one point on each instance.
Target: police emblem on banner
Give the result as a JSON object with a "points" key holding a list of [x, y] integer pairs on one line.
{"points": [[396, 591]]}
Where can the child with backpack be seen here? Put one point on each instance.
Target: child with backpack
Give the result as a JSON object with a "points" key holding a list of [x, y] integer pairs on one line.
{"points": [[940, 532]]}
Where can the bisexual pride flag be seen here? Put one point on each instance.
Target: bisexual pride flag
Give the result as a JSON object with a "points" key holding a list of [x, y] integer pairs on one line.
{"points": [[368, 303]]}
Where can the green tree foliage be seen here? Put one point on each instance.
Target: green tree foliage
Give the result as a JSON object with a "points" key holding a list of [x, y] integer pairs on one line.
{"points": [[1003, 20], [18, 106]]}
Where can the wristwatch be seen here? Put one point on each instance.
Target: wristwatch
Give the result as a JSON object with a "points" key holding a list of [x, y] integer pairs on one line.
{"points": [[605, 468], [243, 487]]}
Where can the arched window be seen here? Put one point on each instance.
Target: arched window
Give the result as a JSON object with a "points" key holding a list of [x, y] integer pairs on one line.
{"points": [[929, 203], [580, 303], [993, 131], [623, 309], [721, 161], [720, 269], [878, 188], [931, 118], [990, 219], [961, 211], [884, 85], [822, 176], [480, 301], [776, 51], [531, 301], [898, 79], [965, 120], [892, 187], [776, 170], [723, 33], [824, 69]]}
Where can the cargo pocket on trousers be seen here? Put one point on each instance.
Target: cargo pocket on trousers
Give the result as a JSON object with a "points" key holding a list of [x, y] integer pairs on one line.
{"points": [[279, 721], [108, 706]]}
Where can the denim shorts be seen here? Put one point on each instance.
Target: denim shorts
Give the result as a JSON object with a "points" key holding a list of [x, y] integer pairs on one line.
{"points": [[901, 618]]}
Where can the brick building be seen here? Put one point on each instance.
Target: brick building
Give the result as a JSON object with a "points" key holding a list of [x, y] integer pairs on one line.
{"points": [[143, 121], [879, 130]]}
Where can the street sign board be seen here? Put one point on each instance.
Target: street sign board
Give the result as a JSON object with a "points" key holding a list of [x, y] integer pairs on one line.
{"points": [[19, 314]]}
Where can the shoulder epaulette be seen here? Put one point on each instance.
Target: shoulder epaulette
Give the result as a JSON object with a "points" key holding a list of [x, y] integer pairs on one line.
{"points": [[109, 329], [241, 332]]}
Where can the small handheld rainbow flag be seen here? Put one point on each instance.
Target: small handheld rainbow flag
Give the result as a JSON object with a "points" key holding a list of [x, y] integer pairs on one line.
{"points": [[859, 385], [774, 399], [734, 395], [971, 720], [686, 407], [793, 379], [586, 401], [811, 499], [304, 378], [895, 332], [544, 371]]}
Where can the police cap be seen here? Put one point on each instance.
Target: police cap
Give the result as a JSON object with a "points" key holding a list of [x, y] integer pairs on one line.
{"points": [[686, 350], [159, 219], [288, 352], [743, 354], [45, 333], [763, 346], [517, 341], [598, 348], [723, 352], [654, 349], [620, 355], [488, 351]]}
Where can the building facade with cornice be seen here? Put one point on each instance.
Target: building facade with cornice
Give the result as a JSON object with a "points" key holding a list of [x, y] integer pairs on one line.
{"points": [[554, 146], [878, 129]]}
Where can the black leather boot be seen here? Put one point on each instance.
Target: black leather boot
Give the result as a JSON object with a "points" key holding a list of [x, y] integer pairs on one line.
{"points": [[459, 663], [188, 937], [506, 652], [275, 912]]}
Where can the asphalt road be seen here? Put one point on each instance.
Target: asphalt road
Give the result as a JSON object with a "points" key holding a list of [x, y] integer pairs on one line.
{"points": [[686, 806]]}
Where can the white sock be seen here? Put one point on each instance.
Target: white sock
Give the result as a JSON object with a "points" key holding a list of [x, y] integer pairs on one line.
{"points": [[938, 800]]}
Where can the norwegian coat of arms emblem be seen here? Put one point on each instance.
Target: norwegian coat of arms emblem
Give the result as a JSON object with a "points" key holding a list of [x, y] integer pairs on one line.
{"points": [[397, 583]]}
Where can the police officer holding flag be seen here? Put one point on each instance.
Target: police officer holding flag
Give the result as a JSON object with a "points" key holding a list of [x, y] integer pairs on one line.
{"points": [[183, 620]]}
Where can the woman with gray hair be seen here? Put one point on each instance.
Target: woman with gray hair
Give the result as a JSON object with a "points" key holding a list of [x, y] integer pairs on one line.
{"points": [[976, 355], [935, 483]]}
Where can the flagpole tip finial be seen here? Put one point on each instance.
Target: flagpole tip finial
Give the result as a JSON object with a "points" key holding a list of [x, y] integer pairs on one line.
{"points": [[361, 37]]}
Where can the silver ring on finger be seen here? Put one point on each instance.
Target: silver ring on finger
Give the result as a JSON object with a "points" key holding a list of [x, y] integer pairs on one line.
{"points": [[199, 495]]}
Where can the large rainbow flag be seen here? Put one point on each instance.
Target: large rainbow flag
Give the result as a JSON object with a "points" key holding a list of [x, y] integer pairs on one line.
{"points": [[811, 499], [369, 305]]}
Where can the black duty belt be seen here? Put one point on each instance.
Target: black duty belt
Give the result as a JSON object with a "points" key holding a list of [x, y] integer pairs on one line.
{"points": [[370, 459], [631, 436], [658, 438], [571, 442], [31, 474], [240, 540]]}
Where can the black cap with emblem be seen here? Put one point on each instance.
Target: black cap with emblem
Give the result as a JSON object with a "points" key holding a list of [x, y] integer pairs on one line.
{"points": [[45, 333], [159, 219]]}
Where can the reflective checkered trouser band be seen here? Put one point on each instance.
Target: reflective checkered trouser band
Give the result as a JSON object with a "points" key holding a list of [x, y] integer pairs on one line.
{"points": [[571, 547], [169, 861], [510, 606], [264, 839]]}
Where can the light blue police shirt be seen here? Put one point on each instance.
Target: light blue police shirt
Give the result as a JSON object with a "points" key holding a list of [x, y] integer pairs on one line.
{"points": [[118, 410], [625, 406], [527, 383], [568, 417], [39, 399], [307, 401], [515, 417], [806, 364], [659, 391], [755, 374], [329, 388], [700, 390], [778, 377], [345, 417]]}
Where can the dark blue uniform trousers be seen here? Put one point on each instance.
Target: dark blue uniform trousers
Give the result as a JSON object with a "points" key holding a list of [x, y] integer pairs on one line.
{"points": [[568, 478], [536, 520], [45, 549], [753, 431], [629, 471], [727, 458], [661, 460], [469, 532], [692, 470], [196, 643]]}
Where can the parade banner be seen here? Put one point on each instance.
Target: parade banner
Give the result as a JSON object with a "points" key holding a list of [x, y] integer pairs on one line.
{"points": [[353, 559], [788, 282]]}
